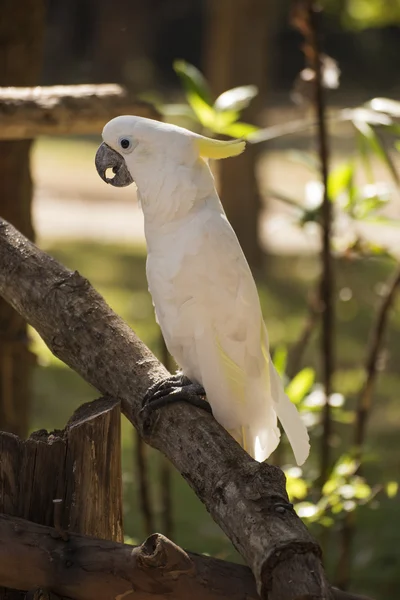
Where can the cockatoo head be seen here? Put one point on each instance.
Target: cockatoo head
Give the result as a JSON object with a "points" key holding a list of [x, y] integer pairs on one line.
{"points": [[135, 149], [167, 163]]}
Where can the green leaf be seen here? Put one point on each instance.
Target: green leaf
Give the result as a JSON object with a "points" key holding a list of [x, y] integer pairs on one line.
{"points": [[392, 488], [310, 161], [343, 416], [341, 179], [345, 466], [296, 488], [377, 147], [280, 359], [330, 486], [238, 129], [285, 199], [367, 116], [225, 119], [367, 206], [362, 491], [337, 507], [306, 510], [236, 99], [193, 80], [326, 521], [300, 385], [363, 152], [205, 113], [382, 220], [385, 105]]}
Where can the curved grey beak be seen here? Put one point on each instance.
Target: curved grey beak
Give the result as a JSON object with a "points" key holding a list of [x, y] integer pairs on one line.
{"points": [[107, 158]]}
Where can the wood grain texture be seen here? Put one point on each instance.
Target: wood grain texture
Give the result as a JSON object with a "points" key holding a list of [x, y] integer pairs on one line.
{"points": [[247, 499], [85, 568], [80, 462], [93, 485], [80, 466], [65, 110]]}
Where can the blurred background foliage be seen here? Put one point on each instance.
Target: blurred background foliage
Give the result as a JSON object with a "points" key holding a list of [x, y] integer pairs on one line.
{"points": [[237, 68]]}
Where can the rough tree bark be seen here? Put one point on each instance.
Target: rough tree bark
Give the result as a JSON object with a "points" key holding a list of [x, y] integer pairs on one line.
{"points": [[247, 499], [231, 61], [82, 461], [21, 40], [65, 110]]}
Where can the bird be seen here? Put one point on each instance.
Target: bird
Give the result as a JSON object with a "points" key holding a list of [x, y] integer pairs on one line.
{"points": [[204, 295]]}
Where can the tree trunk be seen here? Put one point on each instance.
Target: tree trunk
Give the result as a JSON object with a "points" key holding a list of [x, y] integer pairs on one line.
{"points": [[236, 54], [21, 38], [123, 42], [70, 479]]}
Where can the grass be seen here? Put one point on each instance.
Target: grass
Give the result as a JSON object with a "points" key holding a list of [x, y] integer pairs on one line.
{"points": [[118, 272]]}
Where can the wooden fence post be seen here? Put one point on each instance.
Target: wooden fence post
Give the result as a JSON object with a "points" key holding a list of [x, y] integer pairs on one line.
{"points": [[80, 465]]}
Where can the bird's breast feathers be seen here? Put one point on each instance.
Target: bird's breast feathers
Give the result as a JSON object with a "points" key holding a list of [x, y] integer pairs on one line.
{"points": [[201, 285]]}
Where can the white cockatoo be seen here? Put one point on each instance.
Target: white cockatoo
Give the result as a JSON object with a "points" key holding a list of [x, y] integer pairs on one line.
{"points": [[204, 294]]}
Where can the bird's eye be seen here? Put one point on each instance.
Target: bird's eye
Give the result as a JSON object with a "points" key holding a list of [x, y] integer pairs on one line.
{"points": [[125, 143]]}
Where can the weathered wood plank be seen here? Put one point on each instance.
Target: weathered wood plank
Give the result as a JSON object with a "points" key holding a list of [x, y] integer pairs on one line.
{"points": [[85, 568], [26, 113], [79, 466]]}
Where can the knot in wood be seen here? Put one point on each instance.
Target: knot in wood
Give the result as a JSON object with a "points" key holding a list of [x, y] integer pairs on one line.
{"points": [[159, 552], [282, 507]]}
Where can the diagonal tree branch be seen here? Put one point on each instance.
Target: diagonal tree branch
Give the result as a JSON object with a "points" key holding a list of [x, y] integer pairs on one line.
{"points": [[247, 499]]}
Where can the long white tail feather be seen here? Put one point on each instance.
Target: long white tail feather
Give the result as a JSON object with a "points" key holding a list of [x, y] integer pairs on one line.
{"points": [[259, 443]]}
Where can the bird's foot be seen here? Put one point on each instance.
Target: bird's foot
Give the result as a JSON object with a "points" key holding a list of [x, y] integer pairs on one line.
{"points": [[177, 388]]}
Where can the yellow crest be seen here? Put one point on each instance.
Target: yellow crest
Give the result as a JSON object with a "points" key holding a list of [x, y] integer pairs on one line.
{"points": [[216, 149]]}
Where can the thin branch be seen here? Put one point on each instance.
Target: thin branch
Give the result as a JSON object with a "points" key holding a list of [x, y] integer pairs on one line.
{"points": [[363, 410], [327, 285], [299, 348], [164, 466], [165, 472], [275, 132], [145, 502], [371, 363], [304, 18]]}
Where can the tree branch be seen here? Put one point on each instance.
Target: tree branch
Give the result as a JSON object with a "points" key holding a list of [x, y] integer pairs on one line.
{"points": [[247, 499], [371, 363], [327, 282], [65, 110]]}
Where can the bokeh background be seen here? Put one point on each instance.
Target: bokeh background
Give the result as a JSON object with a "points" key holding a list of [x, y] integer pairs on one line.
{"points": [[272, 195]]}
